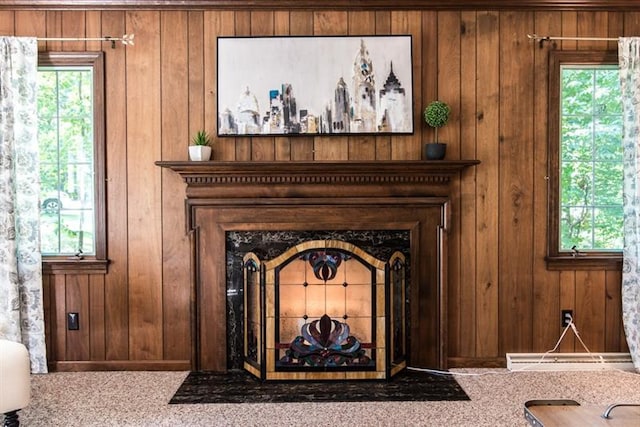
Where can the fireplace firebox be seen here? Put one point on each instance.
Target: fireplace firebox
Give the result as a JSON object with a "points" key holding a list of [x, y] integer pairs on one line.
{"points": [[324, 309]]}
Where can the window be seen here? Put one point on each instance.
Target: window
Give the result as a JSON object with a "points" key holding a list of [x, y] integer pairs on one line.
{"points": [[585, 158], [71, 143]]}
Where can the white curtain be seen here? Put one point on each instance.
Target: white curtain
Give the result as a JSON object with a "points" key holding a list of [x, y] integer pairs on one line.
{"points": [[629, 59], [21, 307]]}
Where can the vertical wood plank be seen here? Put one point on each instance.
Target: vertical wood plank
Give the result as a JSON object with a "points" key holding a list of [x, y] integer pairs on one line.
{"points": [[613, 327], [93, 24], [281, 23], [116, 282], [615, 28], [31, 23], [144, 186], [49, 316], [54, 29], [73, 25], [590, 309], [301, 23], [77, 301], [466, 259], [546, 284], [302, 148], [176, 289], [7, 22], [330, 23], [631, 23], [449, 80], [569, 29], [196, 87], [592, 24], [59, 318], [487, 179], [516, 182], [97, 344], [567, 302], [414, 142], [448, 85]]}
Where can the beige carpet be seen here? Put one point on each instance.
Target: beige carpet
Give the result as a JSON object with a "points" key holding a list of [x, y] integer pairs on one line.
{"points": [[141, 399]]}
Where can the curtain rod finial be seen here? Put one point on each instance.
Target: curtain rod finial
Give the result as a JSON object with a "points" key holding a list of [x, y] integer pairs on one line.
{"points": [[127, 39]]}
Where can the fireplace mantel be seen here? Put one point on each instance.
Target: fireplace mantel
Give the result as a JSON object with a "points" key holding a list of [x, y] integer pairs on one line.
{"points": [[412, 196], [317, 178]]}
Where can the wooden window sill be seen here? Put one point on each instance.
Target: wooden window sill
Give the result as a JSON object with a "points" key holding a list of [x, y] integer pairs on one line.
{"points": [[74, 266], [584, 262]]}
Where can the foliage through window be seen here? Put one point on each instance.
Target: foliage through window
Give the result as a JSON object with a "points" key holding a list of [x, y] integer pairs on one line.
{"points": [[70, 137], [586, 136]]}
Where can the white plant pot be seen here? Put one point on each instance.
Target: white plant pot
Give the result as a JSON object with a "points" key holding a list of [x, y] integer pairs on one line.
{"points": [[199, 152]]}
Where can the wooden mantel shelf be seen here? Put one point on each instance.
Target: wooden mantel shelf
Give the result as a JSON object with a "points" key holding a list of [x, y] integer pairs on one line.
{"points": [[317, 178]]}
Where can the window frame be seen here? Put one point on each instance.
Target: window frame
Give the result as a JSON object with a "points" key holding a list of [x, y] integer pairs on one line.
{"points": [[556, 259], [88, 264]]}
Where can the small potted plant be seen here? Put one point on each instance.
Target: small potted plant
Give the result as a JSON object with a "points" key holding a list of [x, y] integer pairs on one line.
{"points": [[436, 115], [200, 148]]}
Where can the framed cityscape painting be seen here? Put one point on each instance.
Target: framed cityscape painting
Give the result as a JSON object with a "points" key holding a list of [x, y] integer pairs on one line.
{"points": [[331, 85]]}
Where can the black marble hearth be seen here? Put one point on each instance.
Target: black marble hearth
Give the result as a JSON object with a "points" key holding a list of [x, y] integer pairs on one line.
{"points": [[241, 387], [270, 244]]}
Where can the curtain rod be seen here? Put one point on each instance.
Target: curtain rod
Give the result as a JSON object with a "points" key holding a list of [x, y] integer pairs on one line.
{"points": [[543, 39], [126, 39]]}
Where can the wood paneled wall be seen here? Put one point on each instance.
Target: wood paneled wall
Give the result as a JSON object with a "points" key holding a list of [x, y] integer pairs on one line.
{"points": [[160, 91]]}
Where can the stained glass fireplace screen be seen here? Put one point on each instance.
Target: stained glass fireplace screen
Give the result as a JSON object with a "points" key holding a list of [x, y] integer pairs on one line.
{"points": [[327, 314]]}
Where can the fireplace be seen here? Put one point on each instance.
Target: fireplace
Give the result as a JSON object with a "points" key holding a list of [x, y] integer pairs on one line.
{"points": [[327, 211], [320, 305]]}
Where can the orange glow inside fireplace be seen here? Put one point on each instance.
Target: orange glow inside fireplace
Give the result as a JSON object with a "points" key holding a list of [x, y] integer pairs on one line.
{"points": [[324, 310]]}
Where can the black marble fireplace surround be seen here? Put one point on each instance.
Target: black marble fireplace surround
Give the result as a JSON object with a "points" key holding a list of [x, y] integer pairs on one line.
{"points": [[270, 244]]}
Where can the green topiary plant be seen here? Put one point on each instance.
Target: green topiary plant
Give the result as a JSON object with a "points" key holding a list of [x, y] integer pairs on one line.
{"points": [[436, 115], [201, 138]]}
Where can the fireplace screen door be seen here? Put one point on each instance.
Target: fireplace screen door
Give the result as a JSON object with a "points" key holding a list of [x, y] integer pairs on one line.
{"points": [[324, 309]]}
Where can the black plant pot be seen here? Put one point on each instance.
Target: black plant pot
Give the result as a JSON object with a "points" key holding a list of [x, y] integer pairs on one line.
{"points": [[435, 150]]}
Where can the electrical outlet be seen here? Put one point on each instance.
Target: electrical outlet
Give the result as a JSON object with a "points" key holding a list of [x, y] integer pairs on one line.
{"points": [[73, 321], [567, 315]]}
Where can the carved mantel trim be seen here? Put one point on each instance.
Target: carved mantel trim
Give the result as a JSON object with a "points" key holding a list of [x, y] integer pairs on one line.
{"points": [[317, 179]]}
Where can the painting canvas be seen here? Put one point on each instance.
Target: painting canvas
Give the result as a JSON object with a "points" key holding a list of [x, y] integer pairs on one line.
{"points": [[331, 85]]}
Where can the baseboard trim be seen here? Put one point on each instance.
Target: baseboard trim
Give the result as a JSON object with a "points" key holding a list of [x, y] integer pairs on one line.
{"points": [[120, 365], [476, 362]]}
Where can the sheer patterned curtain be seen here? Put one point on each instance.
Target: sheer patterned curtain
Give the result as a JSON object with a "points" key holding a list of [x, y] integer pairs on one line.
{"points": [[629, 58], [21, 307]]}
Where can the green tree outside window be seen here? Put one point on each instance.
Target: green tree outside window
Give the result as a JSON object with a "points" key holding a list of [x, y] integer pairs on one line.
{"points": [[65, 137], [590, 159]]}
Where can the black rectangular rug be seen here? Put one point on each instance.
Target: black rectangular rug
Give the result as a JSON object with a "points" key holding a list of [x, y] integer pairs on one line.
{"points": [[241, 387]]}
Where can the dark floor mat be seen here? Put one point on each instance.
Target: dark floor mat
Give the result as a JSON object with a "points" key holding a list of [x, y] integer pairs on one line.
{"points": [[241, 387]]}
